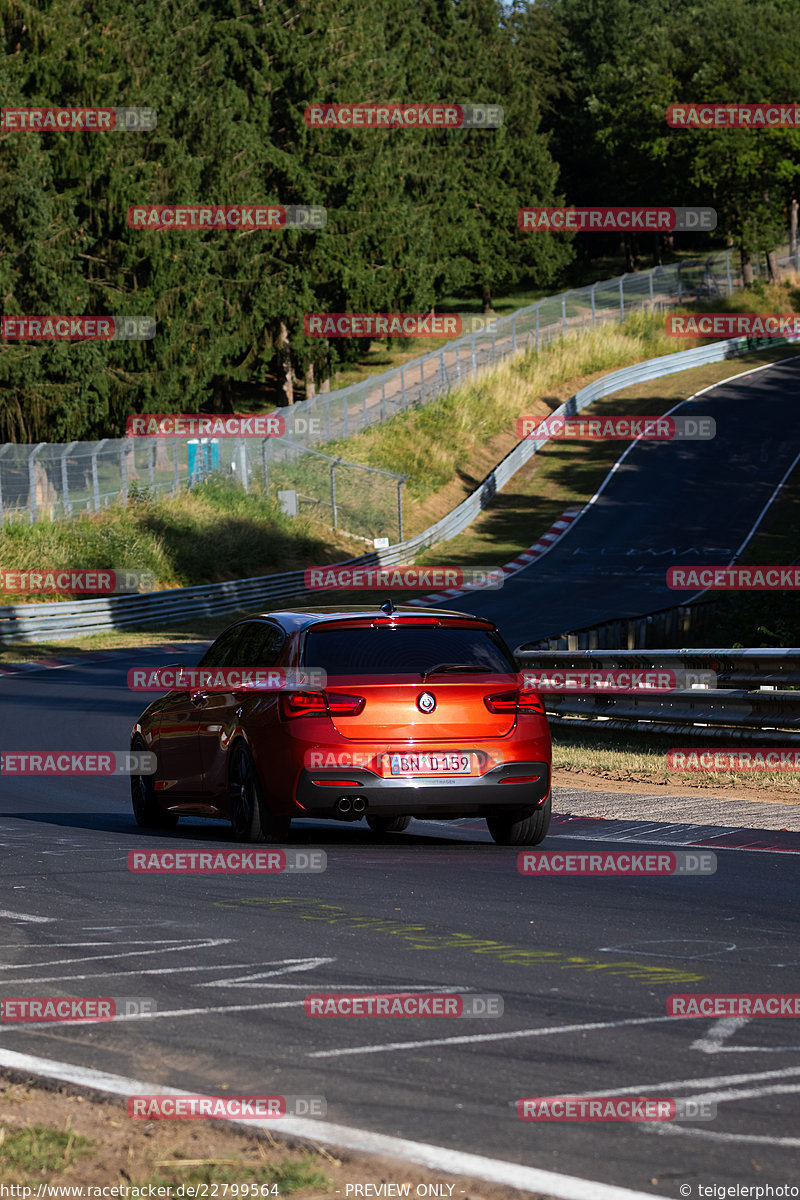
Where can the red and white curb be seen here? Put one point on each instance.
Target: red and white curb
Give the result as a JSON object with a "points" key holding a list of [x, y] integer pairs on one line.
{"points": [[438, 1158], [546, 542]]}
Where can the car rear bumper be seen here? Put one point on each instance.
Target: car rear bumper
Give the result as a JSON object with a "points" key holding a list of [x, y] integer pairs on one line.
{"points": [[508, 788]]}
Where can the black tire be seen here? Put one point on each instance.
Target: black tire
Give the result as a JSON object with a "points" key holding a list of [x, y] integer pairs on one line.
{"points": [[525, 831], [388, 824], [146, 809], [248, 811]]}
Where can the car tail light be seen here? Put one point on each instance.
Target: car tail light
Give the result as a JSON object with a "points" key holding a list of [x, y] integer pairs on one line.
{"points": [[522, 700], [314, 704]]}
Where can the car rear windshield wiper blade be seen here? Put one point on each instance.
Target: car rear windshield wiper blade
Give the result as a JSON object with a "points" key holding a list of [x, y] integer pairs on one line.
{"points": [[442, 667]]}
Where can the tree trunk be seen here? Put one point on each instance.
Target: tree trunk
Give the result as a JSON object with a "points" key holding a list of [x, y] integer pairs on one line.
{"points": [[793, 233], [657, 256], [310, 389], [626, 244], [285, 354], [773, 270], [486, 298], [747, 268]]}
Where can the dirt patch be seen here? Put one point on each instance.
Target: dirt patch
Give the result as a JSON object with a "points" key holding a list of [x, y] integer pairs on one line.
{"points": [[130, 1152], [641, 784]]}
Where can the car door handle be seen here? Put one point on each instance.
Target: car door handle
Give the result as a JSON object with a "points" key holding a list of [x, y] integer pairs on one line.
{"points": [[199, 699]]}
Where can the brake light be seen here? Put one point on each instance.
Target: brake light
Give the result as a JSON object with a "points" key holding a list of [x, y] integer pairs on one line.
{"points": [[302, 704], [520, 700], [315, 704]]}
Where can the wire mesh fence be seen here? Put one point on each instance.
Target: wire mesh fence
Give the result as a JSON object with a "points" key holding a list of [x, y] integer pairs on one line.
{"points": [[60, 481]]}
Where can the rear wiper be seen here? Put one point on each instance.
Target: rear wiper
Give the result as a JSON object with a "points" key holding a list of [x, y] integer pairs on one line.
{"points": [[442, 667]]}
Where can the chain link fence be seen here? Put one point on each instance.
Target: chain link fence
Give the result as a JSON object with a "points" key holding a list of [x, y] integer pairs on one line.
{"points": [[59, 481]]}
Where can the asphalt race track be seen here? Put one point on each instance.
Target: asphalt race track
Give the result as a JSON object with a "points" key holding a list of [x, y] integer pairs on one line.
{"points": [[584, 966], [668, 504]]}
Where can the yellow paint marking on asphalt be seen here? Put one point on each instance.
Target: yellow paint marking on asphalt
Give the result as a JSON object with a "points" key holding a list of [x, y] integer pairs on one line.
{"points": [[418, 938]]}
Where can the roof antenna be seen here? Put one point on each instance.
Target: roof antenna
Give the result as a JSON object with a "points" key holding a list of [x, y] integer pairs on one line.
{"points": [[388, 608]]}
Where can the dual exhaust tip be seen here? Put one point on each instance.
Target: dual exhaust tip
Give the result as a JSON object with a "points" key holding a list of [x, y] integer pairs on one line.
{"points": [[345, 807]]}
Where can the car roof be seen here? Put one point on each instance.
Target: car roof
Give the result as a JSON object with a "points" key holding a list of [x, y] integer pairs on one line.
{"points": [[294, 619]]}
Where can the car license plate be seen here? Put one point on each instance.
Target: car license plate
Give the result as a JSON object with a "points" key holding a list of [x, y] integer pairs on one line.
{"points": [[452, 762]]}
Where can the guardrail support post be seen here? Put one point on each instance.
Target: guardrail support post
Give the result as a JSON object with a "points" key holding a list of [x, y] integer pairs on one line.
{"points": [[652, 295], [403, 387], [123, 477], [474, 359], [728, 272], [383, 399], [513, 333], [621, 298], [65, 481], [333, 491], [264, 452], [34, 507], [537, 329], [400, 483], [95, 477]]}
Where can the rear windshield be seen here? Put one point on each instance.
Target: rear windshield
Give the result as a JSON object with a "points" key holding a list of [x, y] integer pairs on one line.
{"points": [[384, 650]]}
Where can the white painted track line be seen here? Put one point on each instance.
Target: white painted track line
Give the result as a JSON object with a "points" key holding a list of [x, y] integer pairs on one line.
{"points": [[12, 916], [438, 1158]]}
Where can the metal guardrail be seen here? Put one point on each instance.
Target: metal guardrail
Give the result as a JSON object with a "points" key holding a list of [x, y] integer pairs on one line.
{"points": [[735, 709], [70, 619], [62, 480]]}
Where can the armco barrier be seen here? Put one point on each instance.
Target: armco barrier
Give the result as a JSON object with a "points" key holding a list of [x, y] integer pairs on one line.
{"points": [[751, 700], [69, 619]]}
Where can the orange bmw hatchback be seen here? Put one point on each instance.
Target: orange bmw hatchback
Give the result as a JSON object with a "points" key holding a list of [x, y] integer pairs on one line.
{"points": [[348, 714]]}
